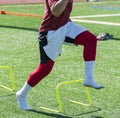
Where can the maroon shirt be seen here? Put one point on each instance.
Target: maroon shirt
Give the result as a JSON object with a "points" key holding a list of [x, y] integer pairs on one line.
{"points": [[50, 22]]}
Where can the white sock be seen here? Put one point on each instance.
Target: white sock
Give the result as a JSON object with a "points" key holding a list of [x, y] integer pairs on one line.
{"points": [[25, 89], [22, 97], [89, 72]]}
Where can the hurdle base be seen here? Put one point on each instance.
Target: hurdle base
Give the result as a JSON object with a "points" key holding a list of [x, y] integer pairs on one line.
{"points": [[49, 109], [80, 103], [5, 87]]}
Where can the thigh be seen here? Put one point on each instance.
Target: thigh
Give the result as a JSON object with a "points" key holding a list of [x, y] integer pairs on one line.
{"points": [[42, 42], [85, 38], [73, 30]]}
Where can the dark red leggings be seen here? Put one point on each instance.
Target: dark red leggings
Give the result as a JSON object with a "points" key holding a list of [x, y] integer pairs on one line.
{"points": [[40, 72], [87, 39]]}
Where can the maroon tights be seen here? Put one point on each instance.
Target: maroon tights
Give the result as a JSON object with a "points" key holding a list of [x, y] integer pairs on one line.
{"points": [[87, 39]]}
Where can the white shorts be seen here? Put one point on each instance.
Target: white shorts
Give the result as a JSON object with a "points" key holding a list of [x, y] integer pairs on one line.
{"points": [[56, 38]]}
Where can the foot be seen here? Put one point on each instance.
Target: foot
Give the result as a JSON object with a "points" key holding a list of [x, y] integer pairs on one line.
{"points": [[93, 84], [22, 102]]}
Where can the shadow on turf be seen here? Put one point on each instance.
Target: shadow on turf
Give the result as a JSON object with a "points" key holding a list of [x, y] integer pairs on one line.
{"points": [[117, 39], [92, 111], [36, 30], [50, 114], [19, 28], [54, 115]]}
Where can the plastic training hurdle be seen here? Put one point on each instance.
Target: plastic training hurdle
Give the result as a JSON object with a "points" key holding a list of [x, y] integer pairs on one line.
{"points": [[10, 78], [60, 105]]}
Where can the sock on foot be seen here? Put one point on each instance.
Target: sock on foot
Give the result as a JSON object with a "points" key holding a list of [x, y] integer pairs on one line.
{"points": [[21, 96], [93, 84], [22, 101]]}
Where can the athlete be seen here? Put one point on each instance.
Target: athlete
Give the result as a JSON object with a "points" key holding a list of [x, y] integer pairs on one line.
{"points": [[56, 29]]}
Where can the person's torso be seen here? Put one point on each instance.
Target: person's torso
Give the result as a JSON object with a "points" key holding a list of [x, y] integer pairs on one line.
{"points": [[51, 22]]}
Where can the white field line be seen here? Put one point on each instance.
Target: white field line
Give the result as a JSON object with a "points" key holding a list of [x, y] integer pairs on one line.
{"points": [[97, 22], [93, 16], [77, 19]]}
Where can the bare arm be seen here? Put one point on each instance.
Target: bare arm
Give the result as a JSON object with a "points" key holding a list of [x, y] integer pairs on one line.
{"points": [[59, 7]]}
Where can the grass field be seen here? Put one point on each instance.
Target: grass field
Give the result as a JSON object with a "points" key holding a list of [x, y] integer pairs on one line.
{"points": [[19, 49]]}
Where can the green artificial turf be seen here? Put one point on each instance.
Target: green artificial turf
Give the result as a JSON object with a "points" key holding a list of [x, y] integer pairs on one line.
{"points": [[19, 49]]}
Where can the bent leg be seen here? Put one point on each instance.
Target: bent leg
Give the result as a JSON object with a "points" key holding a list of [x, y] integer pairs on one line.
{"points": [[89, 41]]}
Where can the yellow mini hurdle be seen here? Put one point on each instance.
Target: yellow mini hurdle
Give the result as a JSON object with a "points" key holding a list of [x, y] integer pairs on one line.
{"points": [[72, 101], [10, 77]]}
